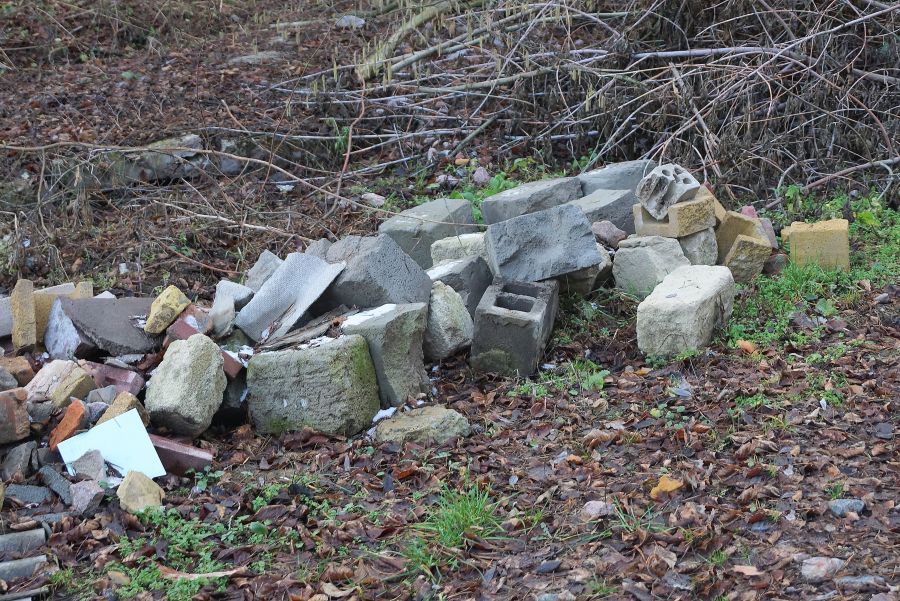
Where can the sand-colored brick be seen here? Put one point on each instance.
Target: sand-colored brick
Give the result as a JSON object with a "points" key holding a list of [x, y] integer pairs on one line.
{"points": [[747, 257], [683, 219], [824, 243], [123, 403], [706, 193], [165, 309], [24, 331], [733, 225], [76, 384]]}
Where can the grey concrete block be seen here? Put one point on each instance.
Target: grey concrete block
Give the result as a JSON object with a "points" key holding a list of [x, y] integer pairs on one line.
{"points": [[416, 229], [57, 483], [284, 298], [319, 248], [27, 494], [530, 197], [83, 327], [394, 334], [18, 460], [643, 262], [513, 323], [230, 298], [469, 276], [265, 266], [616, 176], [584, 281], [608, 205], [541, 245], [377, 273], [665, 186]]}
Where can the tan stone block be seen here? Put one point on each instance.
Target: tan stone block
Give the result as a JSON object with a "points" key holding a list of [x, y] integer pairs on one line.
{"points": [[683, 219], [76, 384], [825, 243], [138, 492], [166, 309], [746, 258], [705, 193], [24, 333], [733, 225], [123, 403], [43, 301]]}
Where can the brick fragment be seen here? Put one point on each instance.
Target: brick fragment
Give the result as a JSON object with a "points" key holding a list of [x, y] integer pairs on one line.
{"points": [[76, 384], [14, 422], [105, 375], [72, 421], [178, 457], [19, 367]]}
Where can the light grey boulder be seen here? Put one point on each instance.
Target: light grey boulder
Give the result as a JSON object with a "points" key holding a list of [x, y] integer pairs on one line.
{"points": [[282, 301], [394, 334], [350, 22], [469, 276], [432, 424], [264, 267], [378, 272], [449, 327], [541, 245], [616, 176], [416, 229], [530, 197], [609, 205], [328, 384], [643, 262], [230, 298], [700, 248], [458, 247], [186, 389], [665, 186], [684, 311]]}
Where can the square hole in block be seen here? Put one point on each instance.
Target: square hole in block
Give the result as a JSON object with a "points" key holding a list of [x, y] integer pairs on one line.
{"points": [[514, 302], [520, 288]]}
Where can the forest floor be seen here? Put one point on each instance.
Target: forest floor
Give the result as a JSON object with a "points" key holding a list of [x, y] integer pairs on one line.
{"points": [[608, 476]]}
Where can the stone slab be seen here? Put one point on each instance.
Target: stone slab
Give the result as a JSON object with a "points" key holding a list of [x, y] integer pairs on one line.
{"points": [[458, 247], [625, 175], [265, 266], [530, 197], [109, 325], [608, 205], [416, 229]]}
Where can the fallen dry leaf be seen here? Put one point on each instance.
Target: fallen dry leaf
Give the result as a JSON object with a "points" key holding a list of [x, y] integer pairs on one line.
{"points": [[746, 346], [334, 592], [664, 486], [747, 570]]}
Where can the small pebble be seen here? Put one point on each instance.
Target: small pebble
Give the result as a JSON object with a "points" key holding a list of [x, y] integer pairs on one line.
{"points": [[819, 569], [883, 298], [842, 507]]}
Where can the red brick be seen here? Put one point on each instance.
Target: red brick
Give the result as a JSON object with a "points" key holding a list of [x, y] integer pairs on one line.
{"points": [[71, 422], [104, 375], [19, 368], [14, 423], [178, 457]]}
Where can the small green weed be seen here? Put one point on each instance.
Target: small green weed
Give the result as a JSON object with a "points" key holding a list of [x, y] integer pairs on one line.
{"points": [[598, 588], [718, 558], [835, 491]]}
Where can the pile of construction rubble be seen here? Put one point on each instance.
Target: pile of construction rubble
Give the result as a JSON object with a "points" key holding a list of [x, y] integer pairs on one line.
{"points": [[339, 334]]}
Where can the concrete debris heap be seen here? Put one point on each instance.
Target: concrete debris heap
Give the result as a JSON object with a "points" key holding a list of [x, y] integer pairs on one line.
{"points": [[334, 336]]}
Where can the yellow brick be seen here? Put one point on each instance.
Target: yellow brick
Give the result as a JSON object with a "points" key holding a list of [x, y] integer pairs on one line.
{"points": [[24, 331], [747, 257], [718, 209], [683, 219], [825, 243], [166, 309], [733, 225], [123, 403], [43, 302], [77, 384]]}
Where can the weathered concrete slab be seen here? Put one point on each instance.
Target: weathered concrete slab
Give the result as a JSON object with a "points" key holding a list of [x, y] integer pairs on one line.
{"points": [[264, 267], [81, 327], [530, 197], [608, 205], [616, 176], [416, 229]]}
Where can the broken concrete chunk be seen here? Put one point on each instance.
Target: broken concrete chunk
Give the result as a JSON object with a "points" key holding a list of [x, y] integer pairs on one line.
{"points": [[625, 175], [530, 197], [284, 298], [394, 334], [432, 424], [123, 403], [611, 205], [318, 248], [665, 186], [105, 395], [81, 327], [86, 498], [329, 385], [747, 257], [378, 272], [44, 301], [584, 281], [14, 421], [643, 262], [513, 323], [682, 219], [458, 247], [24, 331], [825, 243], [186, 389], [57, 483], [449, 326], [684, 311], [6, 319], [18, 461], [165, 309], [91, 465], [264, 267], [469, 276], [700, 248], [230, 298], [541, 245], [137, 492], [416, 229], [733, 225]]}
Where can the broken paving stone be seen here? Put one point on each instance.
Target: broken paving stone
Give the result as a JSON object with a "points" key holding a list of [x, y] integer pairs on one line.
{"points": [[287, 294], [432, 424], [624, 175], [82, 327], [230, 298], [165, 309], [19, 368], [820, 569], [77, 384], [123, 403], [842, 507], [86, 498], [27, 494], [73, 420], [14, 420], [641, 263], [584, 281], [458, 247], [18, 461], [747, 257], [607, 233], [264, 267], [416, 229], [187, 387], [611, 205], [137, 492], [529, 198], [394, 334], [734, 225], [449, 327], [328, 384], [91, 465], [665, 186], [24, 330], [57, 483]]}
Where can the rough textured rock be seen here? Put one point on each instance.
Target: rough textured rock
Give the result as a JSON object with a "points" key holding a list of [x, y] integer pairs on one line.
{"points": [[643, 262], [424, 425], [165, 309], [665, 186], [606, 233], [700, 248], [842, 507], [57, 483], [541, 245], [18, 461], [469, 276], [5, 316], [458, 247], [616, 176], [7, 380], [825, 243], [378, 272], [48, 379], [684, 311], [137, 492], [530, 197], [14, 419], [449, 326], [287, 294], [820, 569], [747, 257], [91, 466], [416, 229], [264, 267], [83, 327], [230, 298], [187, 387], [329, 385], [394, 334], [610, 205], [19, 368], [732, 225], [77, 384], [86, 498]]}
